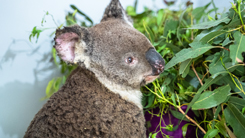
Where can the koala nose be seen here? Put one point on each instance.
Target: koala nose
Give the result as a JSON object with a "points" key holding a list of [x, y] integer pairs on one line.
{"points": [[156, 61]]}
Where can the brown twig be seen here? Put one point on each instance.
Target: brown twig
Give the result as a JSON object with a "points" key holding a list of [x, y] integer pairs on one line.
{"points": [[224, 48], [193, 121], [193, 68]]}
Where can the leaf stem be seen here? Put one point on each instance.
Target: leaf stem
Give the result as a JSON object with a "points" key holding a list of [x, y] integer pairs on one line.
{"points": [[223, 48], [193, 68], [239, 12], [193, 121]]}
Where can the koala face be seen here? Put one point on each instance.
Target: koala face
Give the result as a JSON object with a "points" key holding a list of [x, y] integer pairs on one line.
{"points": [[121, 57], [121, 53]]}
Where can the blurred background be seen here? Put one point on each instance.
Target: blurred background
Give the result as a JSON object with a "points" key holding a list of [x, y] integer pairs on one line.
{"points": [[25, 67]]}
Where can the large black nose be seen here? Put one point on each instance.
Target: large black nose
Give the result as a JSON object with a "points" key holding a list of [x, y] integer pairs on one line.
{"points": [[156, 61]]}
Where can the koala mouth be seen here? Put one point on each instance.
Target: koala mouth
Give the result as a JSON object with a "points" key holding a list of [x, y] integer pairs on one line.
{"points": [[150, 78]]}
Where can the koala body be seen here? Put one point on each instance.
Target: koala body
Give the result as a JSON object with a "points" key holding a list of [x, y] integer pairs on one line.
{"points": [[102, 96], [84, 108]]}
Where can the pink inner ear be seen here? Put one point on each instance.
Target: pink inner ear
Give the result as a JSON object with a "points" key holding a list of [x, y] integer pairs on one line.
{"points": [[65, 46]]}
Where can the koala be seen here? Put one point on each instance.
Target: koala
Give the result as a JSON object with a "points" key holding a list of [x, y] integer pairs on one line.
{"points": [[102, 97]]}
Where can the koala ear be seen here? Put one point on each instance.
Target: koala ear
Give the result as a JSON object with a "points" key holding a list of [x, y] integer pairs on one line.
{"points": [[115, 11], [73, 44]]}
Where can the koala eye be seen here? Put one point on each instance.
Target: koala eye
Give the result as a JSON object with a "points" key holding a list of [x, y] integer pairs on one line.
{"points": [[130, 60]]}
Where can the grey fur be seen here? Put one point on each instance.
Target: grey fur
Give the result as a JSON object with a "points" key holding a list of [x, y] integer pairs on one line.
{"points": [[83, 108], [102, 97], [115, 10]]}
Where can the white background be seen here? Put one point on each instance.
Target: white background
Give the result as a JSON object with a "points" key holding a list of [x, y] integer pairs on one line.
{"points": [[25, 68]]}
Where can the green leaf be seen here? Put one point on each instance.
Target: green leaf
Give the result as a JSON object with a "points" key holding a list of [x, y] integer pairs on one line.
{"points": [[208, 83], [178, 115], [237, 49], [170, 25], [221, 127], [227, 41], [49, 87], [185, 54], [218, 109], [160, 17], [150, 100], [35, 32], [185, 67], [198, 12], [184, 129], [224, 72], [173, 99], [174, 48], [206, 25], [167, 81], [149, 32], [238, 102], [218, 67], [234, 23], [211, 99], [55, 56], [74, 13], [131, 11], [206, 33], [211, 133], [236, 120], [154, 135], [135, 5], [80, 12], [209, 37]]}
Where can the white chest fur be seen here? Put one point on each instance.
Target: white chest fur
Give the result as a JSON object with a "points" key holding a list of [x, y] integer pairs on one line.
{"points": [[133, 96]]}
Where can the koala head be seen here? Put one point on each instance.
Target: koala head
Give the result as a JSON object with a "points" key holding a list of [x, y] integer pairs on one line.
{"points": [[121, 57]]}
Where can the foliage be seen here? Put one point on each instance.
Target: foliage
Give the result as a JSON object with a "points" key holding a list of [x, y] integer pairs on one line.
{"points": [[204, 67]]}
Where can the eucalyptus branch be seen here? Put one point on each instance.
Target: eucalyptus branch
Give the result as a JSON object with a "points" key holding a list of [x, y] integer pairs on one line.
{"points": [[193, 121], [193, 68]]}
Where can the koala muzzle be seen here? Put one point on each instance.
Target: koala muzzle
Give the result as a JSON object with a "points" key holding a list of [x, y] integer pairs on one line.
{"points": [[156, 61]]}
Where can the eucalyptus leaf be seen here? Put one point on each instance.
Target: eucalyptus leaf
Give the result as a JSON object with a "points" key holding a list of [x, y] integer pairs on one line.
{"points": [[236, 120], [237, 49], [224, 72], [211, 99], [211, 133], [169, 25], [184, 129], [83, 14], [149, 32], [49, 87], [198, 12], [218, 109], [208, 83], [206, 25], [185, 54], [150, 100], [218, 67], [207, 38], [178, 115], [221, 127], [185, 67], [206, 33], [160, 17], [227, 41], [238, 102]]}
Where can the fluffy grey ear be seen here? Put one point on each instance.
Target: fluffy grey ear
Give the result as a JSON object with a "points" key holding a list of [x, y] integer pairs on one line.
{"points": [[73, 44], [116, 11]]}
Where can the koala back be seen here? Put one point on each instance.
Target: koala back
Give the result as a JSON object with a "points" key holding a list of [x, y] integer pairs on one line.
{"points": [[84, 107]]}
